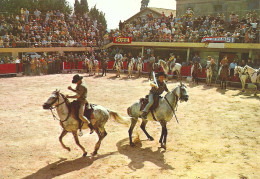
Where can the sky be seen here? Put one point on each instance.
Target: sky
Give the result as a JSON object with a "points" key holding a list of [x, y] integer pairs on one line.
{"points": [[116, 10]]}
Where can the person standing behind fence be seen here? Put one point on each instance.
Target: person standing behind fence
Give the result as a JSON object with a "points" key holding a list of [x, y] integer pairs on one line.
{"points": [[50, 65], [76, 60], [232, 67], [104, 62], [151, 62], [17, 62]]}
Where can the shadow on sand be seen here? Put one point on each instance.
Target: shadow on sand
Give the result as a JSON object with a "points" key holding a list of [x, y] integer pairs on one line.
{"points": [[139, 155], [247, 95], [63, 166]]}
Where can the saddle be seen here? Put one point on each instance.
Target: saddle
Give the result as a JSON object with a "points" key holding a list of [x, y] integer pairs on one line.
{"points": [[88, 112], [144, 101]]}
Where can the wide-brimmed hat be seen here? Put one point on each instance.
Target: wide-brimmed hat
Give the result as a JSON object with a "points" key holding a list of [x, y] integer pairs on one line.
{"points": [[76, 78], [161, 74]]}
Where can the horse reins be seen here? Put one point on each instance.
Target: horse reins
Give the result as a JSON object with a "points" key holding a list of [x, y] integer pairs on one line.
{"points": [[176, 105]]}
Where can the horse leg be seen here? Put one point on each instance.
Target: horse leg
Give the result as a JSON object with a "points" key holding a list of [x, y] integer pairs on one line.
{"points": [[255, 93], [164, 131], [165, 136], [101, 135], [130, 131], [77, 142], [63, 133], [144, 122]]}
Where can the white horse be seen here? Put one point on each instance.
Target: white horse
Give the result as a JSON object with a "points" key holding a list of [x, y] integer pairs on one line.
{"points": [[131, 65], [254, 76], [139, 65], [118, 66], [177, 68], [70, 124], [96, 66], [209, 72], [91, 64], [163, 113], [242, 75]]}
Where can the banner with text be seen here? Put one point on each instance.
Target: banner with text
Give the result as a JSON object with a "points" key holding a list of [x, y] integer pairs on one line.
{"points": [[218, 39], [123, 40]]}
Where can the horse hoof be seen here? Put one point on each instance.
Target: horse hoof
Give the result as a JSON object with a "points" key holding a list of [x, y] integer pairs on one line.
{"points": [[163, 146], [85, 154], [151, 138], [132, 144], [94, 153], [68, 149]]}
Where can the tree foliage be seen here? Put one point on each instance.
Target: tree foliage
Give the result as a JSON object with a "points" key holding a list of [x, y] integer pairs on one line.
{"points": [[94, 13], [81, 8]]}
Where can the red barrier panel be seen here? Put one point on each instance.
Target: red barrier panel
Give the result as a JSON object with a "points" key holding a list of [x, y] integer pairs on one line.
{"points": [[67, 66], [7, 68], [185, 71]]}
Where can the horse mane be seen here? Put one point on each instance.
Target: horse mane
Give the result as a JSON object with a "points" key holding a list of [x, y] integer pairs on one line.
{"points": [[66, 99]]}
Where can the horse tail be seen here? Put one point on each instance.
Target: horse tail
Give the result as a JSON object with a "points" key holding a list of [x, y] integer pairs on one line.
{"points": [[118, 118]]}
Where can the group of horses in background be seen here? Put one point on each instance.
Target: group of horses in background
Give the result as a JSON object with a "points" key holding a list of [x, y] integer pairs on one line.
{"points": [[223, 75]]}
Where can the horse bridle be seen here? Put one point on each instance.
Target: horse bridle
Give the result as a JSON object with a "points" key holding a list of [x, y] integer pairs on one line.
{"points": [[51, 108]]}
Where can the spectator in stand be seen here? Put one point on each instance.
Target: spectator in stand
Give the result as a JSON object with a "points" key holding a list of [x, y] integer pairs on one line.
{"points": [[250, 63], [243, 63]]}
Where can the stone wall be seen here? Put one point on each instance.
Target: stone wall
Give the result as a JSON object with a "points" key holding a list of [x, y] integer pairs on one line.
{"points": [[206, 7]]}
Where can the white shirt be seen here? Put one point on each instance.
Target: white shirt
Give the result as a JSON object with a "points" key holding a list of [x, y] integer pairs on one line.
{"points": [[118, 57], [17, 60]]}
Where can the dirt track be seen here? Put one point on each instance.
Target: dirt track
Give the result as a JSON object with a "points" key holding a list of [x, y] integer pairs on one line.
{"points": [[218, 134]]}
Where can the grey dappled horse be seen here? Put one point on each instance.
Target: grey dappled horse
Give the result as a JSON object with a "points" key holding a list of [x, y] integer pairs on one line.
{"points": [[163, 113], [70, 124]]}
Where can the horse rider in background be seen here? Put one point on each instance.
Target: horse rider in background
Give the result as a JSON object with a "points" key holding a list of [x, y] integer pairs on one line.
{"points": [[118, 59], [196, 58]]}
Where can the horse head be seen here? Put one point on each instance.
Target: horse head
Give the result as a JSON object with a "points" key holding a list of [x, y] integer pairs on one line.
{"points": [[52, 100], [182, 92]]}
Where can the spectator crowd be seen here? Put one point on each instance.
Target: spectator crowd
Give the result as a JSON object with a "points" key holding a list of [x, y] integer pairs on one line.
{"points": [[53, 29], [51, 63], [189, 28]]}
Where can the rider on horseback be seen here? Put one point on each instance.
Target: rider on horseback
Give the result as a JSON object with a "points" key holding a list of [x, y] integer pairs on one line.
{"points": [[171, 59], [118, 59], [155, 91], [210, 62], [195, 59], [81, 96], [223, 63]]}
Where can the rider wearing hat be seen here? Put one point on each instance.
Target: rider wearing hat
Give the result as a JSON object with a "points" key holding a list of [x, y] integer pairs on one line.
{"points": [[81, 96], [118, 59], [155, 91]]}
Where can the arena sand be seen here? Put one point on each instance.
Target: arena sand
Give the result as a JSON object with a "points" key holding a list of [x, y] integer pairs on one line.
{"points": [[217, 137]]}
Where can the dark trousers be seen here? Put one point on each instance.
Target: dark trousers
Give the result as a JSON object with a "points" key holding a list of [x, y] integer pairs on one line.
{"points": [[17, 67], [232, 72], [104, 71]]}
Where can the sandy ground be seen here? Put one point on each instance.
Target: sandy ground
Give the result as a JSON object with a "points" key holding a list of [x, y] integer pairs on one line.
{"points": [[218, 134]]}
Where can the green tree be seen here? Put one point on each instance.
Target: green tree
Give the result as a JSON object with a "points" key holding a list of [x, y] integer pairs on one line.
{"points": [[84, 6], [76, 7], [94, 13]]}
